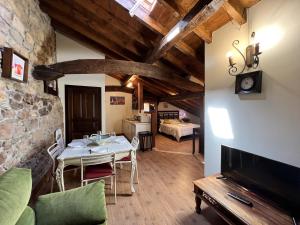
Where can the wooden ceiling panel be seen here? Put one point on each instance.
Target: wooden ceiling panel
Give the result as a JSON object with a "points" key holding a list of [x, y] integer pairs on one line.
{"points": [[107, 26]]}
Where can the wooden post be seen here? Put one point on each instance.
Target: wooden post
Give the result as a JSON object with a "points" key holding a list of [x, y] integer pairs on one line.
{"points": [[154, 123], [140, 93]]}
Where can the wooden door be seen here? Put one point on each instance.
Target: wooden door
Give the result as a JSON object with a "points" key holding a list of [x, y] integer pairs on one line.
{"points": [[83, 111]]}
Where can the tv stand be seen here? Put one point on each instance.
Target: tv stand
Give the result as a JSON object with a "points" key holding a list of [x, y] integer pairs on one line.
{"points": [[214, 191]]}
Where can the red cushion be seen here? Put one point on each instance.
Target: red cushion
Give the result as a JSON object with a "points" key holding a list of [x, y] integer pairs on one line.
{"points": [[97, 171]]}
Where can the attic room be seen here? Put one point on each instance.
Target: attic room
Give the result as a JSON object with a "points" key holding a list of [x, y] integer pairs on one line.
{"points": [[161, 112]]}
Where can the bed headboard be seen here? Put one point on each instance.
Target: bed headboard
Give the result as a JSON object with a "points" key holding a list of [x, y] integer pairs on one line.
{"points": [[166, 115]]}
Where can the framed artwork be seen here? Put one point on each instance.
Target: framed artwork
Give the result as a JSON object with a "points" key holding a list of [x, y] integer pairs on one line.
{"points": [[51, 87], [117, 100], [14, 65]]}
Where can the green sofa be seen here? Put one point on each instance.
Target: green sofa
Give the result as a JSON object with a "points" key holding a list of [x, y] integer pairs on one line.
{"points": [[79, 206]]}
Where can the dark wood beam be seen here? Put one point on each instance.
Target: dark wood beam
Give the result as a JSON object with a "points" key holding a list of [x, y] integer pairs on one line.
{"points": [[181, 97], [109, 66], [200, 13], [55, 12], [140, 95], [96, 12], [112, 88], [84, 40]]}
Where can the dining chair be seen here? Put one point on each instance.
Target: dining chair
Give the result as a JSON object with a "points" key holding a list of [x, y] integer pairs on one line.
{"points": [[53, 151], [131, 156], [95, 167], [59, 138]]}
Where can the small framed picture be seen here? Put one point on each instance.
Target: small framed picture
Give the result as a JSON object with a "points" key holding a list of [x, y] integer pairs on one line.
{"points": [[117, 100], [14, 65], [51, 87]]}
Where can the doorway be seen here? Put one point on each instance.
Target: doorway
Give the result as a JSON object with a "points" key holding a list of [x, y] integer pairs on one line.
{"points": [[83, 111]]}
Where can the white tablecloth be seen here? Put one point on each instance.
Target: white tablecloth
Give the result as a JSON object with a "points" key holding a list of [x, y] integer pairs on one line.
{"points": [[117, 144]]}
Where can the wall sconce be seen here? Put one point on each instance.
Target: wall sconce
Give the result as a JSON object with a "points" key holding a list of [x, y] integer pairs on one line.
{"points": [[251, 60]]}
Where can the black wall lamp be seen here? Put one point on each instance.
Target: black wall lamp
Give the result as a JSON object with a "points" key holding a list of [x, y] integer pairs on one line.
{"points": [[251, 60]]}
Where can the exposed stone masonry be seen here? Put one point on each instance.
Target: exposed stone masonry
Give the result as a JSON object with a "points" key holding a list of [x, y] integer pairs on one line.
{"points": [[28, 116]]}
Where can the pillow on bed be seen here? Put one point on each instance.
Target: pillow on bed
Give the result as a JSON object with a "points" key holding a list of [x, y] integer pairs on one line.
{"points": [[171, 121], [162, 121]]}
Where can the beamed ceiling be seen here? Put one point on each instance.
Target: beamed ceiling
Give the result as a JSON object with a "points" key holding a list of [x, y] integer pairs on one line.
{"points": [[167, 33]]}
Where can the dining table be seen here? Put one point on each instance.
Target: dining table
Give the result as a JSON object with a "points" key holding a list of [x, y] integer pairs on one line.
{"points": [[79, 148]]}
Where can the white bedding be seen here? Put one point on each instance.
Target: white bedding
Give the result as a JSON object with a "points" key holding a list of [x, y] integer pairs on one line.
{"points": [[178, 130]]}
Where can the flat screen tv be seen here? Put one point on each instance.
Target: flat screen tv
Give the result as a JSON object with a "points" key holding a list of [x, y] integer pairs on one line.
{"points": [[279, 182]]}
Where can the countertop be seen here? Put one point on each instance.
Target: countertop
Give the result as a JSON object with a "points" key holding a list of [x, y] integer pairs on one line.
{"points": [[135, 122]]}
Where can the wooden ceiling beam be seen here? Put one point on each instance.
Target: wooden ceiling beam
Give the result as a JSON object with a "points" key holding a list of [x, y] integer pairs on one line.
{"points": [[203, 33], [88, 29], [202, 11], [181, 64], [156, 26], [236, 11], [171, 7], [113, 88], [97, 13], [67, 31], [181, 105], [179, 97], [182, 8], [167, 89], [109, 66]]}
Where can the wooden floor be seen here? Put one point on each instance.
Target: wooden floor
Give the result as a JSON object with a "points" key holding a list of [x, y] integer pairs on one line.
{"points": [[165, 143], [164, 195]]}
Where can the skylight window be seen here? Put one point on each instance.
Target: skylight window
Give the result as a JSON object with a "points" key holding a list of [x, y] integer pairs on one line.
{"points": [[146, 5]]}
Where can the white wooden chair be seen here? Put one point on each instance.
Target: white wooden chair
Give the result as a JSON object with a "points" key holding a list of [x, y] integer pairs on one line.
{"points": [[131, 158], [54, 151], [59, 138], [95, 167]]}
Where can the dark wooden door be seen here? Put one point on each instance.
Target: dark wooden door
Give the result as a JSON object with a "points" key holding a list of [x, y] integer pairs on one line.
{"points": [[83, 111]]}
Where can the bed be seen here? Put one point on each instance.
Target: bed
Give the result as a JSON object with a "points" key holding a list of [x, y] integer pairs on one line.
{"points": [[170, 124]]}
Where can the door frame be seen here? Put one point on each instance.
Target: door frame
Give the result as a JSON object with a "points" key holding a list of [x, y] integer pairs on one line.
{"points": [[66, 106]]}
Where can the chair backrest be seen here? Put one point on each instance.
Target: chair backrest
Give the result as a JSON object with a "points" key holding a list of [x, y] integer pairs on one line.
{"points": [[54, 151], [97, 159], [135, 143], [59, 138]]}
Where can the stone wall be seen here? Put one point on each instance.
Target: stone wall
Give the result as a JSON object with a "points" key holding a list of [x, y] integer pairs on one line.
{"points": [[28, 116]]}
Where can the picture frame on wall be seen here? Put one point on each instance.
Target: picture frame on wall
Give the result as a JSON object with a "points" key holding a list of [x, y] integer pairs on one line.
{"points": [[14, 65], [117, 100], [51, 87]]}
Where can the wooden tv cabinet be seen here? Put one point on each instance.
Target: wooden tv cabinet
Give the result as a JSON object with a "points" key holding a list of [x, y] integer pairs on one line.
{"points": [[214, 191]]}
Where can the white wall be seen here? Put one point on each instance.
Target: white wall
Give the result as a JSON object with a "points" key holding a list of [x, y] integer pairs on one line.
{"points": [[67, 49], [162, 107], [116, 113], [266, 124]]}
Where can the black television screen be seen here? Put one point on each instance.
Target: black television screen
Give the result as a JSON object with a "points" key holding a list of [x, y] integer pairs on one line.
{"points": [[279, 182]]}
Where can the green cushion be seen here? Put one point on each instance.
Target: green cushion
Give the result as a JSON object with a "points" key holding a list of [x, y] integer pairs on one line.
{"points": [[15, 190], [27, 217], [80, 206]]}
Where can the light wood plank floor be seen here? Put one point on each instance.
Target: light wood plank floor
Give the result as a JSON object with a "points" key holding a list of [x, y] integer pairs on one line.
{"points": [[164, 143], [164, 195]]}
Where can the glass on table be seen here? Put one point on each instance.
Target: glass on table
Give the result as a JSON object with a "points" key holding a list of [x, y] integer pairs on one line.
{"points": [[112, 134]]}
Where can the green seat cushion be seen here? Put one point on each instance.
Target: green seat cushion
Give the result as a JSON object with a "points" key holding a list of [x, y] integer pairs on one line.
{"points": [[15, 190], [80, 206], [27, 217]]}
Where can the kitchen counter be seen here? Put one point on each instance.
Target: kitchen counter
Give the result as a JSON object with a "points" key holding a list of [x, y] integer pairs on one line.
{"points": [[131, 128], [135, 122]]}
